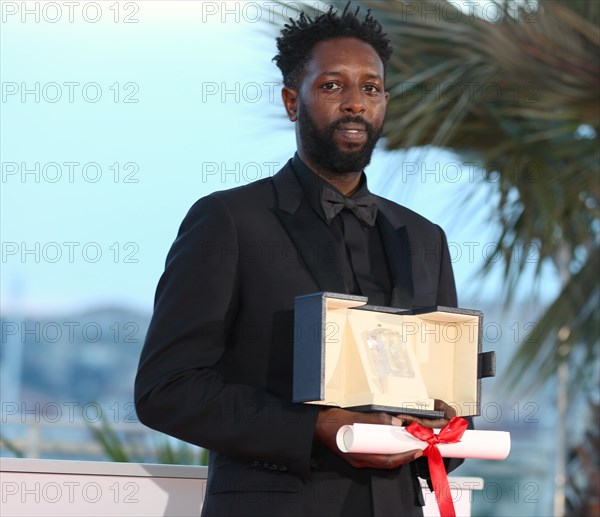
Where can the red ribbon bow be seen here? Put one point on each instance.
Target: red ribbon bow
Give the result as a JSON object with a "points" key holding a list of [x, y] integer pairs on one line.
{"points": [[450, 433]]}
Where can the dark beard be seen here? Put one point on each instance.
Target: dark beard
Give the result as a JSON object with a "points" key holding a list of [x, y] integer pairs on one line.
{"points": [[324, 152]]}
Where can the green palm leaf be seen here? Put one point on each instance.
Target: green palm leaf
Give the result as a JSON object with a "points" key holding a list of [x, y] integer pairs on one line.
{"points": [[520, 94]]}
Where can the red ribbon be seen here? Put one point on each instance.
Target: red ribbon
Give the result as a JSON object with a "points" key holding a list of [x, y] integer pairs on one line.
{"points": [[450, 433]]}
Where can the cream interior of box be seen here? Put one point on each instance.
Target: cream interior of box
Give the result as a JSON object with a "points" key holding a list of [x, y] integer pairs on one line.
{"points": [[399, 360]]}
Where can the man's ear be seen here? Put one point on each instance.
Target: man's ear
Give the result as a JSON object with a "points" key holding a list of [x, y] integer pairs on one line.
{"points": [[290, 96]]}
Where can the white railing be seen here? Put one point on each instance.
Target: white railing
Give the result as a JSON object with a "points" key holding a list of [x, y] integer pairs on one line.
{"points": [[53, 488]]}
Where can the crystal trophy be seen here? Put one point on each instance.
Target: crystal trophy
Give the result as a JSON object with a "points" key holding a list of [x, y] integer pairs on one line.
{"points": [[388, 355]]}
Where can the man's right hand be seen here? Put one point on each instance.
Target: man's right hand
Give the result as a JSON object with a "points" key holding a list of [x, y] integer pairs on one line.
{"points": [[331, 419]]}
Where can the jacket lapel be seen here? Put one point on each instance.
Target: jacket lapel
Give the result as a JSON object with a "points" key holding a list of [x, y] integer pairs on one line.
{"points": [[316, 243], [309, 233], [400, 257]]}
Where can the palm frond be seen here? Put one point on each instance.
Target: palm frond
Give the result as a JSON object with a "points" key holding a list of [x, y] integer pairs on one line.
{"points": [[165, 450], [567, 331], [521, 94], [10, 446]]}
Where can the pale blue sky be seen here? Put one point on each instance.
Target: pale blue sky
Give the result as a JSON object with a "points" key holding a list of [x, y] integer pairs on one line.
{"points": [[206, 115], [182, 139]]}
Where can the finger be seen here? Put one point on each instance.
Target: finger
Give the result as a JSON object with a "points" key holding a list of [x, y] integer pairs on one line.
{"points": [[426, 422], [396, 421], [386, 419], [449, 411], [407, 419], [392, 461], [438, 423], [407, 456], [382, 461]]}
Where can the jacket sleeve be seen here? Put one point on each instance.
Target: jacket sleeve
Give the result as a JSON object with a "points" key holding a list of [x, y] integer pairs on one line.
{"points": [[177, 389]]}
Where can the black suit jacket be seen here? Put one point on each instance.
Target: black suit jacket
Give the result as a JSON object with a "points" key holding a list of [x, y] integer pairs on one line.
{"points": [[216, 367]]}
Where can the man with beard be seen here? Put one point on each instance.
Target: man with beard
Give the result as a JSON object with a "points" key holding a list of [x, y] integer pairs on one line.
{"points": [[216, 368]]}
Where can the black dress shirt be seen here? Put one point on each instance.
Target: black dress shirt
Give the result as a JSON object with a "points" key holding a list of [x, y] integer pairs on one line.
{"points": [[362, 257]]}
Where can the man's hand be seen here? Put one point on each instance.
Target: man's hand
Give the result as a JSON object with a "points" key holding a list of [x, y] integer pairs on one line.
{"points": [[434, 423], [330, 420]]}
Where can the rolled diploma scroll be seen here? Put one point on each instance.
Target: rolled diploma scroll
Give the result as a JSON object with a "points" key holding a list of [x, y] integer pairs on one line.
{"points": [[390, 439]]}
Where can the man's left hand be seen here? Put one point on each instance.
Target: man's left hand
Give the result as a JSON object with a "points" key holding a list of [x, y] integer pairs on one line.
{"points": [[434, 423]]}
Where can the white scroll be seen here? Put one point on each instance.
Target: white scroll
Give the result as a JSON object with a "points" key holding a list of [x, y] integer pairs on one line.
{"points": [[389, 439]]}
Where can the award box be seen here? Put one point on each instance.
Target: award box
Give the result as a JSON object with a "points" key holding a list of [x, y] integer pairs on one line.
{"points": [[368, 358]]}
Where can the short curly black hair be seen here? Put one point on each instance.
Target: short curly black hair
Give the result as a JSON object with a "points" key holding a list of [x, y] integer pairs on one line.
{"points": [[300, 36]]}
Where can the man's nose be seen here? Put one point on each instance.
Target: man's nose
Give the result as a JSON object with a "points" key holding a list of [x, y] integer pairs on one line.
{"points": [[353, 101]]}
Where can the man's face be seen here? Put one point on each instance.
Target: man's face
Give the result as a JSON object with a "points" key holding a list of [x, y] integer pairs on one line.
{"points": [[340, 105]]}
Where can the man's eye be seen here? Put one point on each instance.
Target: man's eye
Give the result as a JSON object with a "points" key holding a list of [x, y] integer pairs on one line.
{"points": [[371, 88], [330, 86]]}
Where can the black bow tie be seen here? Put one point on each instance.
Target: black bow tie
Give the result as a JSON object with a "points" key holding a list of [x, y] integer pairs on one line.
{"points": [[364, 207]]}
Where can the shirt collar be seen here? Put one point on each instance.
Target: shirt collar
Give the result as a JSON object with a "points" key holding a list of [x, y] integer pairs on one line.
{"points": [[312, 185]]}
